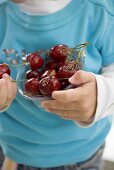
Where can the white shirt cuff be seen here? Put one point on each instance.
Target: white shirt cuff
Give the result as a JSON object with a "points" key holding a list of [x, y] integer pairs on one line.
{"points": [[105, 96]]}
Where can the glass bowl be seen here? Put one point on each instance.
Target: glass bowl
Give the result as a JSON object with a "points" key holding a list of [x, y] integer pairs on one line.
{"points": [[21, 79]]}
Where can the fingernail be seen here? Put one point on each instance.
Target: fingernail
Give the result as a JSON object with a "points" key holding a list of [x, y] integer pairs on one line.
{"points": [[53, 94], [42, 105], [5, 75], [70, 79], [47, 110]]}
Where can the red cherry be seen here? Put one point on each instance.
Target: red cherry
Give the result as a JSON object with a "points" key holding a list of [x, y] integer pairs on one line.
{"points": [[32, 87], [36, 61], [48, 73], [4, 68], [29, 57], [53, 65], [49, 84], [64, 83], [33, 74], [68, 70], [59, 52]]}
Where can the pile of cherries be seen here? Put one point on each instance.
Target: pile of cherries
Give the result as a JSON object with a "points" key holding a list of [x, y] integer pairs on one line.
{"points": [[45, 76]]}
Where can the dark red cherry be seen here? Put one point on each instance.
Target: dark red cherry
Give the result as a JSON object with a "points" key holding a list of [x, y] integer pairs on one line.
{"points": [[64, 83], [4, 68], [29, 57], [36, 61], [33, 74], [51, 65], [49, 84], [32, 87], [68, 70], [48, 73], [59, 52], [54, 65]]}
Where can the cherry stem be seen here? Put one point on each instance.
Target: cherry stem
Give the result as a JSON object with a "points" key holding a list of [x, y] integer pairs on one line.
{"points": [[63, 78], [80, 46], [16, 65], [78, 57], [14, 81]]}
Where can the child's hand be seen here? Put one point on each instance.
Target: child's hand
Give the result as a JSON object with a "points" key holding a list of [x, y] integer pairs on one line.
{"points": [[8, 90], [77, 104]]}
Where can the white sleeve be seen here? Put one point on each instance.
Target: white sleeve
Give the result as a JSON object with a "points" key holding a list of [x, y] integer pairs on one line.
{"points": [[105, 96], [105, 85]]}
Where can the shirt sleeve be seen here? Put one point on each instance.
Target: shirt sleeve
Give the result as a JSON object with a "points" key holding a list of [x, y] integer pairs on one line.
{"points": [[105, 97], [106, 45], [105, 84], [105, 81]]}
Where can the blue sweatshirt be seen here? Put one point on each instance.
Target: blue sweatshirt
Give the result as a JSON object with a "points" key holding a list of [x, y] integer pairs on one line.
{"points": [[29, 134]]}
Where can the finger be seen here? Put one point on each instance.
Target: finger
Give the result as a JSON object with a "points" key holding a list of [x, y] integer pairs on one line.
{"points": [[81, 77], [10, 92], [70, 95], [14, 89], [3, 92], [54, 104], [14, 86], [62, 113]]}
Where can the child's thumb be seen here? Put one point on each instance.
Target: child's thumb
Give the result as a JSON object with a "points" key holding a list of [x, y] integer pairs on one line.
{"points": [[81, 77]]}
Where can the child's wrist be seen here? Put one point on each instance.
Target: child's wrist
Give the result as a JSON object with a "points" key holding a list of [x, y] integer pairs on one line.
{"points": [[89, 121]]}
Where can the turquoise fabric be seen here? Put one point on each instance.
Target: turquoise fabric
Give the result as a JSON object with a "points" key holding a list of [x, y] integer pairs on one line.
{"points": [[28, 134]]}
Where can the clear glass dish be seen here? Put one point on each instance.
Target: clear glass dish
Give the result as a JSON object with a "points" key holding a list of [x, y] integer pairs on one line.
{"points": [[21, 79]]}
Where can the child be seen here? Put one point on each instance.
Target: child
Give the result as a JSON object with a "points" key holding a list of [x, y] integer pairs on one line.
{"points": [[68, 132]]}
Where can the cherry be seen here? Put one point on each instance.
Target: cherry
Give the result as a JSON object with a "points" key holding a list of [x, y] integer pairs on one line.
{"points": [[33, 74], [68, 70], [48, 73], [29, 57], [4, 68], [53, 65], [32, 87], [49, 84], [64, 83], [35, 60], [59, 52], [61, 61]]}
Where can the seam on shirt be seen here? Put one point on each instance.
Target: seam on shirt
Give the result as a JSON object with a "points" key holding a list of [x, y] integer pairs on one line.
{"points": [[104, 33], [110, 12], [3, 2], [108, 61]]}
